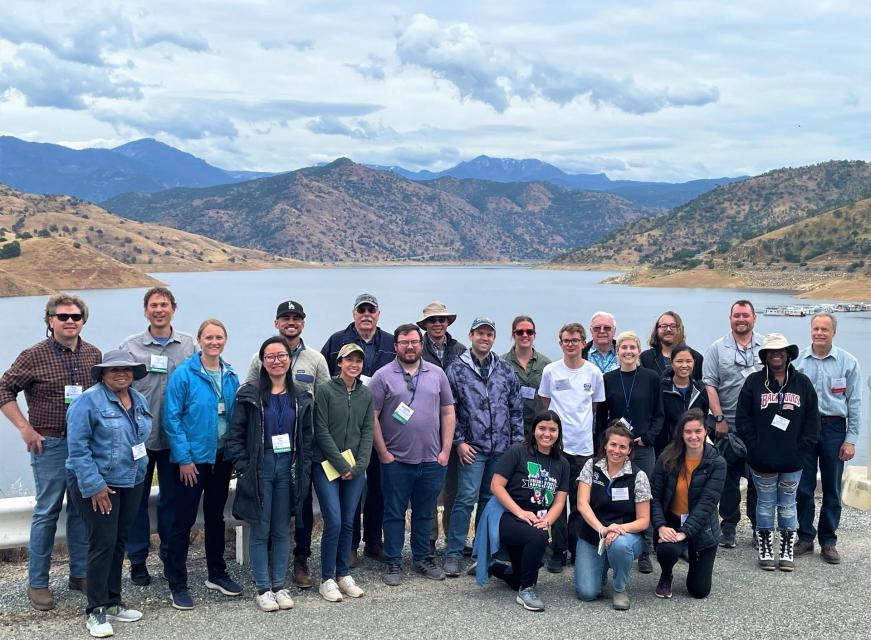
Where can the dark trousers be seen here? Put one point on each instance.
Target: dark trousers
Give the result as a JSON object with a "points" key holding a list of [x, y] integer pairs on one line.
{"points": [[107, 534], [730, 499], [833, 431], [701, 562], [447, 496], [213, 485], [645, 458], [303, 523], [525, 545], [139, 538], [372, 506], [563, 541], [417, 485]]}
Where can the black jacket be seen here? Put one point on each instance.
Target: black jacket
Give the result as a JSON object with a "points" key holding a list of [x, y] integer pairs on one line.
{"points": [[385, 351], [645, 410], [703, 523], [245, 449], [652, 359], [770, 449], [673, 405], [453, 350]]}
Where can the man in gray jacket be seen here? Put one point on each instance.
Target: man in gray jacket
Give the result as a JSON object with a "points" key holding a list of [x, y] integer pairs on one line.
{"points": [[161, 349]]}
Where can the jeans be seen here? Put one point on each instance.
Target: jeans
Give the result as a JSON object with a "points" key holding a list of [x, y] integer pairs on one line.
{"points": [[591, 569], [372, 507], [447, 495], [213, 486], [563, 541], [833, 431], [139, 537], [526, 546], [730, 498], [418, 484], [107, 534], [52, 481], [269, 545], [473, 486], [779, 491], [339, 500]]}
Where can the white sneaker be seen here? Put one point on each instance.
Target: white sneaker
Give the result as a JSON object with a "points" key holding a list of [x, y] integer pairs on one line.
{"points": [[266, 601], [350, 588], [120, 613], [97, 624], [282, 597], [330, 591]]}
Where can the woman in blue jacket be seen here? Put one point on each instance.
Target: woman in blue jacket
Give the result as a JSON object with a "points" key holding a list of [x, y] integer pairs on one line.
{"points": [[199, 399], [106, 431]]}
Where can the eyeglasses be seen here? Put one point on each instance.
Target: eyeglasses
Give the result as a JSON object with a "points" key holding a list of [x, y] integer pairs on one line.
{"points": [[366, 308], [408, 343], [63, 317], [439, 319], [524, 332], [602, 328], [276, 357], [667, 325], [571, 341]]}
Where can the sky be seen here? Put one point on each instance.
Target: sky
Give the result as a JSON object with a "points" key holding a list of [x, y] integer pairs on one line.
{"points": [[667, 90]]}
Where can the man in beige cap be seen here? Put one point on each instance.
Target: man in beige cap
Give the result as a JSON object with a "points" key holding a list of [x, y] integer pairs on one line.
{"points": [[441, 349]]}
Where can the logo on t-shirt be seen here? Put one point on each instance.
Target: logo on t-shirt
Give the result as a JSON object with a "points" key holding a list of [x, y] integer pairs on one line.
{"points": [[541, 483]]}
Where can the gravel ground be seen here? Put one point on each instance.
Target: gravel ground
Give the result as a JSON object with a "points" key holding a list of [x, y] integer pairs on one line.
{"points": [[816, 601]]}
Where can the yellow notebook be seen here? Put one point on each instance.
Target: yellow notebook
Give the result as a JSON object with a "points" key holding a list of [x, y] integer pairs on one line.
{"points": [[330, 470]]}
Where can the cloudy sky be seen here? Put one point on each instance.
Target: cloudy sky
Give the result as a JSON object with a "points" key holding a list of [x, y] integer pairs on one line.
{"points": [[669, 90]]}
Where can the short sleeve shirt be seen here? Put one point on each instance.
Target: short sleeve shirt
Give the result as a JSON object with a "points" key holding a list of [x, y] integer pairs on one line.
{"points": [[572, 393], [726, 367], [642, 483], [533, 478]]}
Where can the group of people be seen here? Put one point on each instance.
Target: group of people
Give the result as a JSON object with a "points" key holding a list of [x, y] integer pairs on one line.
{"points": [[600, 458]]}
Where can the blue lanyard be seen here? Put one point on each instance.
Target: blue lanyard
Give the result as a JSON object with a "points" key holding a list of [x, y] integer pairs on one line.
{"points": [[76, 358], [414, 386], [628, 398]]}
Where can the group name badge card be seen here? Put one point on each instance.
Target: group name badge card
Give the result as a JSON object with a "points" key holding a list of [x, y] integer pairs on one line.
{"points": [[562, 385], [139, 451], [281, 443], [527, 393], [780, 422], [403, 413], [158, 364], [71, 392]]}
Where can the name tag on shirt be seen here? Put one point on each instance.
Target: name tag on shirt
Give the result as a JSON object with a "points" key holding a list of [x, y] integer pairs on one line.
{"points": [[281, 443], [159, 364], [619, 494], [746, 371], [139, 451], [839, 385], [780, 422], [625, 423], [527, 393], [403, 413], [365, 379], [683, 518], [71, 392], [221, 408], [562, 385]]}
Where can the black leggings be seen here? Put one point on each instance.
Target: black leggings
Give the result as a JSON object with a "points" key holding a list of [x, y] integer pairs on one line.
{"points": [[526, 546], [701, 564]]}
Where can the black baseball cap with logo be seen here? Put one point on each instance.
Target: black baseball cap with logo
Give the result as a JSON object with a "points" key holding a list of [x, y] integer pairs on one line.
{"points": [[288, 308]]}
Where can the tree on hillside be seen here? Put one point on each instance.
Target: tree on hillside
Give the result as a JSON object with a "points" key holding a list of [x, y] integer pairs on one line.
{"points": [[10, 250]]}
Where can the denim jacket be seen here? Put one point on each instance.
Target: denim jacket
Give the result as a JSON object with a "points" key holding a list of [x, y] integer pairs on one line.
{"points": [[101, 437]]}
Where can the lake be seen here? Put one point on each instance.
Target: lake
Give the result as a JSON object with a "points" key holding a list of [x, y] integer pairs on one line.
{"points": [[246, 301]]}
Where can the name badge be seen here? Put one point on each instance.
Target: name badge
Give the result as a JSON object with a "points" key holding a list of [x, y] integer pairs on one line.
{"points": [[541, 513], [139, 451], [365, 379], [625, 423], [71, 392], [527, 393], [562, 385], [780, 422], [158, 364], [683, 518], [221, 407], [619, 494], [281, 443], [746, 371], [403, 413], [839, 385]]}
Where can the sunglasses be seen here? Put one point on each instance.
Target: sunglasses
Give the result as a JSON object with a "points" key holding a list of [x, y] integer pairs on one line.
{"points": [[366, 308], [524, 332], [602, 328], [63, 317], [439, 319]]}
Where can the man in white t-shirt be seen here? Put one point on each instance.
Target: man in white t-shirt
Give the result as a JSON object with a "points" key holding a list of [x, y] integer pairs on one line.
{"points": [[572, 387]]}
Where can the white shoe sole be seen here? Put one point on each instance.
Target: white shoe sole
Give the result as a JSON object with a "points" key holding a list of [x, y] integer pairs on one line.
{"points": [[217, 587]]}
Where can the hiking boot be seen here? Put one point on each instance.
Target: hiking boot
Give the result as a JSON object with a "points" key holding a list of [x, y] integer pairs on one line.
{"points": [[302, 577], [139, 574], [830, 554], [97, 624], [803, 547], [77, 584], [225, 584], [765, 549], [266, 601], [120, 613], [644, 564], [663, 587], [181, 600], [556, 563], [374, 550], [620, 600], [529, 600], [787, 544], [40, 598], [393, 576], [349, 587], [727, 539], [282, 597], [330, 591], [451, 566], [428, 567]]}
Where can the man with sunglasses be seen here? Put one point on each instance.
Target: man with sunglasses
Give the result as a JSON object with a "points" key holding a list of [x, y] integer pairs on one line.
{"points": [[414, 431], [602, 350], [161, 349], [572, 387], [52, 374], [727, 364], [378, 351], [309, 369]]}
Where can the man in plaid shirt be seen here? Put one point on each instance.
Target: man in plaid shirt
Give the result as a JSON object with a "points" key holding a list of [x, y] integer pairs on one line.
{"points": [[52, 373]]}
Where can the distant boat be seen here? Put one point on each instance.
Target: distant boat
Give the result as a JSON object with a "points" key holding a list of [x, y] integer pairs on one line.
{"points": [[801, 311]]}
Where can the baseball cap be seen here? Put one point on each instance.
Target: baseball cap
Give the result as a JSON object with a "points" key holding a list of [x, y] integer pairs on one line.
{"points": [[483, 321], [366, 298], [289, 307]]}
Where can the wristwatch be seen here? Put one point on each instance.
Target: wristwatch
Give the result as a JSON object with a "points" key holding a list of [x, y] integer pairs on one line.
{"points": [[718, 419]]}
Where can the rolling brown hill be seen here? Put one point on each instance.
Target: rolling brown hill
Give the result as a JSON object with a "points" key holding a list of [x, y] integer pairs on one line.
{"points": [[347, 212]]}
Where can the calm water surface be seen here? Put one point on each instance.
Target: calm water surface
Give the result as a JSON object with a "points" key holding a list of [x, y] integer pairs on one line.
{"points": [[246, 302]]}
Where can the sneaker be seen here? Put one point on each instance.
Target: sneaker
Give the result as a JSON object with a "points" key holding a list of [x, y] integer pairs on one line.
{"points": [[302, 577], [225, 584], [451, 566], [282, 597], [77, 584], [803, 547], [663, 587], [620, 601], [727, 539], [349, 587], [120, 613], [556, 563], [374, 550], [467, 551], [393, 576], [830, 554], [182, 600], [139, 574], [644, 564], [428, 567], [529, 600], [97, 624], [330, 591], [266, 601], [40, 598]]}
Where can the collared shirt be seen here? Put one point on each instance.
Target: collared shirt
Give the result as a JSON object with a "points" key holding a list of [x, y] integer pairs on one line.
{"points": [[726, 367], [529, 378], [42, 372], [838, 382], [439, 349], [307, 367], [143, 347], [605, 361], [484, 368]]}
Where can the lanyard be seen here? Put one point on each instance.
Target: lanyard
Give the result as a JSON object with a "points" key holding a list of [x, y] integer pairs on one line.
{"points": [[628, 397], [299, 349], [76, 357], [414, 385], [743, 353]]}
